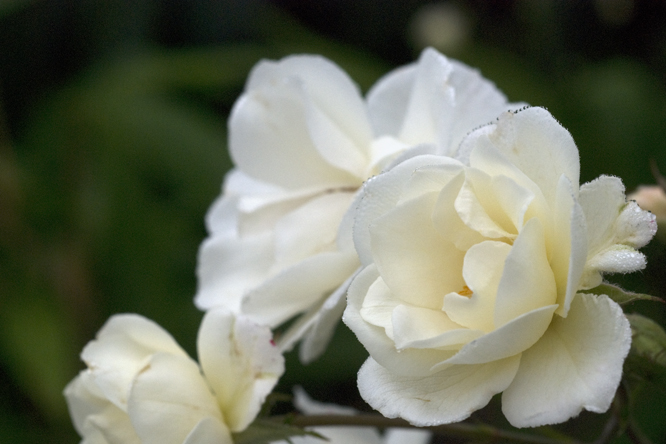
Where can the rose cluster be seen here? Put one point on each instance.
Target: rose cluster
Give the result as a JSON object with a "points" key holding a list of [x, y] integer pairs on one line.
{"points": [[448, 225]]}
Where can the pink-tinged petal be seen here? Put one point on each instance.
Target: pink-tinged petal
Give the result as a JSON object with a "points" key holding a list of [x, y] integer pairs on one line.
{"points": [[209, 431], [269, 138], [576, 365], [413, 103], [380, 194], [448, 396], [228, 267], [567, 244], [296, 289], [375, 340], [527, 281], [416, 327], [417, 264], [482, 271], [509, 340], [310, 229], [168, 399], [121, 349], [241, 364]]}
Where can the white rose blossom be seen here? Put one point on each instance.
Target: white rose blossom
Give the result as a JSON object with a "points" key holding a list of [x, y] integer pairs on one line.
{"points": [[303, 141], [141, 387], [471, 279]]}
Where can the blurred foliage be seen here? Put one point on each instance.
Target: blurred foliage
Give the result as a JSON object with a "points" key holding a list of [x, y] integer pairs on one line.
{"points": [[112, 147]]}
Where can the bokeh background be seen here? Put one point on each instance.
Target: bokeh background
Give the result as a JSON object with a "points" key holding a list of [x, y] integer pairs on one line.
{"points": [[113, 145]]}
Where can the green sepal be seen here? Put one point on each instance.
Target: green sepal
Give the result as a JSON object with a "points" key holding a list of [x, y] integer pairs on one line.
{"points": [[265, 431], [619, 295], [647, 357]]}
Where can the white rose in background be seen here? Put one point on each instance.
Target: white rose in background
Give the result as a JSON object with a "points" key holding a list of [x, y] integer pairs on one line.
{"points": [[141, 387], [471, 279], [303, 141]]}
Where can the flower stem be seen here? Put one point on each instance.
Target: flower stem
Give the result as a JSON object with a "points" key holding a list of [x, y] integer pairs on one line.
{"points": [[468, 431]]}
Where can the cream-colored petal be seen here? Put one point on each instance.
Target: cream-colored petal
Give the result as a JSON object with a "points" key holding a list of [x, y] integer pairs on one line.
{"points": [[209, 430], [374, 339], [310, 229], [269, 138], [380, 194], [295, 289], [601, 201], [121, 349], [539, 146], [488, 220], [477, 102], [378, 305], [635, 227], [416, 327], [527, 281], [95, 418], [413, 103], [228, 267], [482, 271], [618, 259], [241, 363], [576, 365], [417, 264], [446, 220], [448, 396], [168, 399], [568, 244], [509, 340]]}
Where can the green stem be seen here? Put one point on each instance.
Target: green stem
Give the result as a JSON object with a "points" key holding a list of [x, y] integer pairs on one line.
{"points": [[460, 430]]}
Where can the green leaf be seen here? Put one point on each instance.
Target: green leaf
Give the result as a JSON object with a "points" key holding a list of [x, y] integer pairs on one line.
{"points": [[621, 296], [265, 431], [647, 358]]}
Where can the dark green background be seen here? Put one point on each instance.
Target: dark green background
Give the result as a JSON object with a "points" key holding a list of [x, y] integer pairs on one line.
{"points": [[112, 146]]}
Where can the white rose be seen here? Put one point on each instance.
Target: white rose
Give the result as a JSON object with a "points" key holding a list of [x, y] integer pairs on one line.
{"points": [[303, 141], [471, 279], [141, 387]]}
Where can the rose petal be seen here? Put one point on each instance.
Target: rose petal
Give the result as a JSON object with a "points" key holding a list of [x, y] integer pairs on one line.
{"points": [[527, 281], [414, 102], [509, 340], [482, 271], [417, 264], [310, 229], [448, 396], [269, 138], [228, 267], [568, 244], [94, 417], [601, 201], [374, 339], [296, 289], [209, 431], [576, 365], [416, 327], [168, 398], [380, 194], [241, 364], [122, 346]]}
